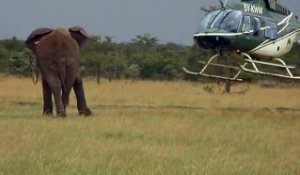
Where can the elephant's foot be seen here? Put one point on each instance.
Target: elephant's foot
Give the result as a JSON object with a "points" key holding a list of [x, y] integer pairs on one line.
{"points": [[48, 113], [61, 114], [86, 112]]}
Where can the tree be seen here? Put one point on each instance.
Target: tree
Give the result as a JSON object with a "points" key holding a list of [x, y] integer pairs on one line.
{"points": [[4, 55], [20, 64], [145, 41], [133, 71], [13, 45], [100, 58]]}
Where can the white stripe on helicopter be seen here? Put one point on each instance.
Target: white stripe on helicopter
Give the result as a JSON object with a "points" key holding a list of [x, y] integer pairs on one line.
{"points": [[267, 42], [217, 34], [278, 47], [285, 21], [266, 48]]}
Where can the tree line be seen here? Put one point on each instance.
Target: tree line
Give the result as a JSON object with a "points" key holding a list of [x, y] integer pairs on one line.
{"points": [[144, 57]]}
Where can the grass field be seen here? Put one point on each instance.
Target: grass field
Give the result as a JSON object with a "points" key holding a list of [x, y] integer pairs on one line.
{"points": [[151, 128]]}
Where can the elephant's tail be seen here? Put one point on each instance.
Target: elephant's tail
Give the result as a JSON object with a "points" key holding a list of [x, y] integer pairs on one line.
{"points": [[65, 90], [65, 94]]}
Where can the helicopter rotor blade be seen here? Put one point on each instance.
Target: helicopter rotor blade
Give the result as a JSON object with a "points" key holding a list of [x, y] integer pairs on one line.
{"points": [[223, 4], [209, 9]]}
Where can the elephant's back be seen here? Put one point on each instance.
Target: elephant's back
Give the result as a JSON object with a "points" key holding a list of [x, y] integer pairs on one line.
{"points": [[59, 42]]}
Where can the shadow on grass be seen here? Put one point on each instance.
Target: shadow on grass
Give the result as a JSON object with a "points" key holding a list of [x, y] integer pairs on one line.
{"points": [[198, 108], [32, 109]]}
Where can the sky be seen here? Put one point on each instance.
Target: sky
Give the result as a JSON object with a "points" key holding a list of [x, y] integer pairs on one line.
{"points": [[169, 20]]}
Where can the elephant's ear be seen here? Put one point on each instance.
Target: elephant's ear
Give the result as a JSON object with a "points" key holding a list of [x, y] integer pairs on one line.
{"points": [[35, 36], [79, 34]]}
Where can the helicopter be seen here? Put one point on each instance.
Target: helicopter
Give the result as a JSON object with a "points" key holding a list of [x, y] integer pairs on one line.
{"points": [[260, 31]]}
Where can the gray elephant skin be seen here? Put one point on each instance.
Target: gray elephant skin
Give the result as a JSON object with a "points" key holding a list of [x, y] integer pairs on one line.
{"points": [[58, 57]]}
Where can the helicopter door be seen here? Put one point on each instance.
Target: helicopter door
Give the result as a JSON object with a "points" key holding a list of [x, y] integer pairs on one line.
{"points": [[257, 26], [271, 31], [247, 27], [249, 38]]}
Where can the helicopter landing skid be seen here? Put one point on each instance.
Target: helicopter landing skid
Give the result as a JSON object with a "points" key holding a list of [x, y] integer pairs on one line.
{"points": [[280, 64], [210, 63], [242, 68]]}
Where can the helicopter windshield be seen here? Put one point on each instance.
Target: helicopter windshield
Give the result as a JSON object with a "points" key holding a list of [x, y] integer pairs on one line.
{"points": [[207, 20], [227, 20]]}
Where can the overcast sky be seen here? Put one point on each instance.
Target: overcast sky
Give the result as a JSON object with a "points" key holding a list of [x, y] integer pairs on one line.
{"points": [[169, 20]]}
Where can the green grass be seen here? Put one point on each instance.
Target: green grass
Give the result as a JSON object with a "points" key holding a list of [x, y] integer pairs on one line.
{"points": [[152, 137]]}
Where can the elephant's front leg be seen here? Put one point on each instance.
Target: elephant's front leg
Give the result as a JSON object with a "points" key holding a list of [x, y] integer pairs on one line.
{"points": [[47, 97], [80, 96]]}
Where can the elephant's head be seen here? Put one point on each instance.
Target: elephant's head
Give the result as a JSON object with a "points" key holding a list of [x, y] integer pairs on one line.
{"points": [[77, 33]]}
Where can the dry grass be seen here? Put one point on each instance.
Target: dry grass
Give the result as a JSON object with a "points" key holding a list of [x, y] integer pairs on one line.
{"points": [[148, 127], [156, 94]]}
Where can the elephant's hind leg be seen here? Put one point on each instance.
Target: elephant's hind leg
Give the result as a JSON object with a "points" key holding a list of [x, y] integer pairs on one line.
{"points": [[60, 108], [56, 88], [80, 96], [47, 97]]}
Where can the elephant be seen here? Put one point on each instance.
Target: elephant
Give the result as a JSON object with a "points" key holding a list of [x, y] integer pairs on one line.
{"points": [[58, 57]]}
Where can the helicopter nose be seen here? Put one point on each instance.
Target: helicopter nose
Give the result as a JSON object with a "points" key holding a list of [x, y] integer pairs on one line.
{"points": [[212, 42]]}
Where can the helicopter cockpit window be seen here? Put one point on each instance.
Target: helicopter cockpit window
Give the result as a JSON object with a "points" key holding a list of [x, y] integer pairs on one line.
{"points": [[257, 26], [271, 31], [207, 20], [228, 21], [247, 25]]}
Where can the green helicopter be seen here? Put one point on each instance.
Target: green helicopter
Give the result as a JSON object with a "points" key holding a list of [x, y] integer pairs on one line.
{"points": [[261, 31]]}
